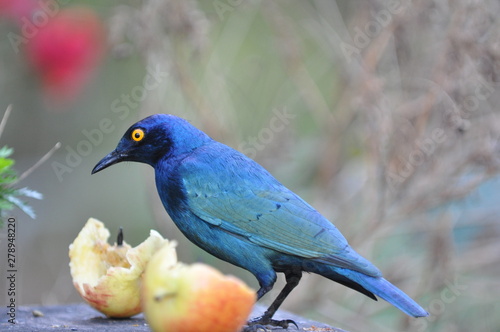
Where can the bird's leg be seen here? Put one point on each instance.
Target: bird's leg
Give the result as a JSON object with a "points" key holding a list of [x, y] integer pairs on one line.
{"points": [[292, 280]]}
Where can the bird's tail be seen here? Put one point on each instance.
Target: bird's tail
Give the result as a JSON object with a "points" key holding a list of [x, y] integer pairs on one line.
{"points": [[387, 291], [371, 286]]}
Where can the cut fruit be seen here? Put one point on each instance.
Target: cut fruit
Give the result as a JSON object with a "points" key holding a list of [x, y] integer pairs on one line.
{"points": [[109, 277]]}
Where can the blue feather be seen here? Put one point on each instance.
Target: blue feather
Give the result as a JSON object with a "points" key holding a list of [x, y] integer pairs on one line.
{"points": [[230, 206]]}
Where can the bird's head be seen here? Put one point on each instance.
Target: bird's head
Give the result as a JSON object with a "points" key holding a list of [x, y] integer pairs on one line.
{"points": [[156, 137]]}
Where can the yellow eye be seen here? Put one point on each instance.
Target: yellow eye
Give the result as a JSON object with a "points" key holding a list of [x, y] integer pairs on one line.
{"points": [[137, 135]]}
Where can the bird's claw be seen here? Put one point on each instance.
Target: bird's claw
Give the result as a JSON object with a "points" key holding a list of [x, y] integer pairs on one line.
{"points": [[260, 323], [254, 328], [285, 323]]}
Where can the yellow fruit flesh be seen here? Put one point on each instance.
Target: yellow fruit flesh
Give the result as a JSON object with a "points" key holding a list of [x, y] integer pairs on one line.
{"points": [[109, 277]]}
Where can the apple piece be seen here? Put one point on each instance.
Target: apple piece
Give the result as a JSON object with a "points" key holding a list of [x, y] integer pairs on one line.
{"points": [[193, 298], [109, 277]]}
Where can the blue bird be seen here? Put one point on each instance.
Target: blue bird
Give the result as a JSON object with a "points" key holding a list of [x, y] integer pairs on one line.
{"points": [[234, 209]]}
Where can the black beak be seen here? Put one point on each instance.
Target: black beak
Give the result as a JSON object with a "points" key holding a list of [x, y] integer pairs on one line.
{"points": [[111, 159]]}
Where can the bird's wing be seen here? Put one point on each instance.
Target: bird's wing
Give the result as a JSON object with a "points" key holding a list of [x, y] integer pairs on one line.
{"points": [[238, 195]]}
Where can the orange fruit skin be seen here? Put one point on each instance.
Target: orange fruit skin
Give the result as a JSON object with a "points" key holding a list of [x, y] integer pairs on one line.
{"points": [[201, 299]]}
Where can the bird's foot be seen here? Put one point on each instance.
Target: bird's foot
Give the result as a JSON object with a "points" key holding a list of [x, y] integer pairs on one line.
{"points": [[259, 324]]}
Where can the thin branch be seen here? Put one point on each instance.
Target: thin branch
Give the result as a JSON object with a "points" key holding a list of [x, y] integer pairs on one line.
{"points": [[5, 118], [39, 162]]}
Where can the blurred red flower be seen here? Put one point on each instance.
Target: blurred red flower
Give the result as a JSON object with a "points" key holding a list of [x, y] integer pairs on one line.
{"points": [[65, 52], [16, 9], [62, 45]]}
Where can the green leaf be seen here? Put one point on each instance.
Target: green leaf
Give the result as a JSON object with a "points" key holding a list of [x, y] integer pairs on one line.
{"points": [[5, 163], [29, 193], [6, 205], [6, 152], [7, 177], [9, 196], [22, 205]]}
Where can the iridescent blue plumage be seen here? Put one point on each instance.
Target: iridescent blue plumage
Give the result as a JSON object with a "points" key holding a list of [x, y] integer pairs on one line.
{"points": [[233, 208]]}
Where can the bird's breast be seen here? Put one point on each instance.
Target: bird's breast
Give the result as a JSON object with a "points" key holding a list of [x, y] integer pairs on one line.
{"points": [[170, 189]]}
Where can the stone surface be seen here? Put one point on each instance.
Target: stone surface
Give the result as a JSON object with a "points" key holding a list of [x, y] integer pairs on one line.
{"points": [[82, 318]]}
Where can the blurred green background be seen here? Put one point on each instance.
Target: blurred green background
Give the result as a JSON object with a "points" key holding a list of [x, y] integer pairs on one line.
{"points": [[382, 114]]}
